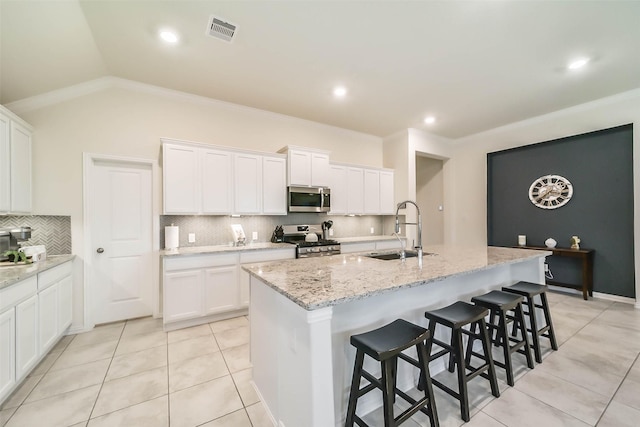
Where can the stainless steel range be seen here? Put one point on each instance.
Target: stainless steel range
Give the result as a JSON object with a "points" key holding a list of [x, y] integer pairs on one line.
{"points": [[308, 241]]}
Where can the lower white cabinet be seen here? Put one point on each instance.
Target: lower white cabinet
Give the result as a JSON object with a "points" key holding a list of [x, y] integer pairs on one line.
{"points": [[197, 288], [34, 314], [370, 246], [7, 352], [26, 336]]}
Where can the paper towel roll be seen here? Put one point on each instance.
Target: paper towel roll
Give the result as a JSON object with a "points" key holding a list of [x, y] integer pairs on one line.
{"points": [[171, 236]]}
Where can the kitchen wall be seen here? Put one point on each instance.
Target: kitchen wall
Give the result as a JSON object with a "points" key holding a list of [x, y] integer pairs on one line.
{"points": [[216, 230], [54, 232], [122, 118]]}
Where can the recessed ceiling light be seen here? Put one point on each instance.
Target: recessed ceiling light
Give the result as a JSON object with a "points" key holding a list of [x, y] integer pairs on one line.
{"points": [[578, 63], [339, 91], [169, 36], [429, 120]]}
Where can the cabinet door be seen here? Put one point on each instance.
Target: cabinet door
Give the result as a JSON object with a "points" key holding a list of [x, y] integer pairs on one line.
{"points": [[48, 318], [221, 290], [182, 295], [274, 185], [65, 303], [387, 200], [320, 170], [371, 191], [20, 168], [299, 168], [217, 182], [181, 181], [355, 190], [5, 162], [26, 336], [248, 183], [245, 285], [338, 188], [7, 351]]}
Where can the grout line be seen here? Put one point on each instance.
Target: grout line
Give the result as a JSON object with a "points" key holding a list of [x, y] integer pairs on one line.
{"points": [[618, 389]]}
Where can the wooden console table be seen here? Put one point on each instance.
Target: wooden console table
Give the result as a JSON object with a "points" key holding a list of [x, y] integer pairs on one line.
{"points": [[586, 255]]}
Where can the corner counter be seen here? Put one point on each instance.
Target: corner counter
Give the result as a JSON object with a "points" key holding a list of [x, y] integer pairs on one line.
{"points": [[10, 274], [303, 312]]}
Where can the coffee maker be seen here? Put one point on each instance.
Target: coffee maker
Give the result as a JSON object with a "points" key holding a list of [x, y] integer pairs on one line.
{"points": [[11, 238]]}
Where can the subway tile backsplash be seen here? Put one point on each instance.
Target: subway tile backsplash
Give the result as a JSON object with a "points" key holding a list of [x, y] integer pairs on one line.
{"points": [[54, 232], [216, 230]]}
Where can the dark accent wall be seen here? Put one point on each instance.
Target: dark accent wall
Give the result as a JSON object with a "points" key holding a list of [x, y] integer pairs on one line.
{"points": [[600, 167]]}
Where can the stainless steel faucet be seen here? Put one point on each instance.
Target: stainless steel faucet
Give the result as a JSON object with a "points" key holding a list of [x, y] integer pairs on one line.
{"points": [[403, 205]]}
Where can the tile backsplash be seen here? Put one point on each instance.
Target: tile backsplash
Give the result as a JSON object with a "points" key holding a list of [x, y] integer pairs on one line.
{"points": [[54, 232], [216, 230]]}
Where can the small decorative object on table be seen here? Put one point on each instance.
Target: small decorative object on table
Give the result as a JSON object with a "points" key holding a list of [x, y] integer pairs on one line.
{"points": [[575, 242], [551, 243], [239, 237]]}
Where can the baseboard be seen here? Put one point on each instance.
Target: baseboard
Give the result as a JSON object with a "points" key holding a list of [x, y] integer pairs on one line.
{"points": [[616, 298]]}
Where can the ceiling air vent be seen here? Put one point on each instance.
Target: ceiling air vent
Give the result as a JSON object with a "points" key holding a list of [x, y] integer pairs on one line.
{"points": [[220, 29]]}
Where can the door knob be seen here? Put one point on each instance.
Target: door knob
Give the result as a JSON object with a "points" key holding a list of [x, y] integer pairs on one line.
{"points": [[100, 250]]}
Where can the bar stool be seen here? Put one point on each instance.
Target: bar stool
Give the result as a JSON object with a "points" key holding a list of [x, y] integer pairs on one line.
{"points": [[506, 307], [455, 316], [529, 291], [385, 345]]}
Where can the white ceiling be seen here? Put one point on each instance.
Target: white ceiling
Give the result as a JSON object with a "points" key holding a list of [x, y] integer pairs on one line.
{"points": [[475, 65]]}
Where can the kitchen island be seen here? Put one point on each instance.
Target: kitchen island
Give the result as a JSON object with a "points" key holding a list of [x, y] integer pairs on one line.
{"points": [[303, 312]]}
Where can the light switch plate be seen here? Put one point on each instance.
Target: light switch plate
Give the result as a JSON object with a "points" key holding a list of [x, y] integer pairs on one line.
{"points": [[192, 237], [254, 235]]}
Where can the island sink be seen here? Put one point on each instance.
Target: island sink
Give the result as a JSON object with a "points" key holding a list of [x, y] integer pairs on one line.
{"points": [[392, 255]]}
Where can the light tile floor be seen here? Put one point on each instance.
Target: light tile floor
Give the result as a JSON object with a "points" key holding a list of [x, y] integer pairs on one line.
{"points": [[134, 374]]}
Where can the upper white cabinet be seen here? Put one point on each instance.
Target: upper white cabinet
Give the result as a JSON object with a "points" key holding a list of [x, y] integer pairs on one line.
{"points": [[15, 163], [307, 167], [198, 179], [357, 191]]}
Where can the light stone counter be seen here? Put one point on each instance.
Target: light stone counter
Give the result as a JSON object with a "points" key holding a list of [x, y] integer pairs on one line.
{"points": [[10, 274], [313, 283], [197, 250]]}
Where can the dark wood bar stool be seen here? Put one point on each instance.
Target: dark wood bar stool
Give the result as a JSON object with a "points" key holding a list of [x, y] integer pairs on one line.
{"points": [[529, 291], [455, 316], [385, 345], [504, 308]]}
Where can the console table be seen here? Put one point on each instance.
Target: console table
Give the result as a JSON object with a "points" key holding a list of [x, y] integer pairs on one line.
{"points": [[586, 255]]}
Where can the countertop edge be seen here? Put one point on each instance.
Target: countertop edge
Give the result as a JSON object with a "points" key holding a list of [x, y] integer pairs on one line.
{"points": [[12, 275]]}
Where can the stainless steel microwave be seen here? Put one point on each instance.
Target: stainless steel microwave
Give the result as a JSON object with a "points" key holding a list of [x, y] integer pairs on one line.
{"points": [[309, 199]]}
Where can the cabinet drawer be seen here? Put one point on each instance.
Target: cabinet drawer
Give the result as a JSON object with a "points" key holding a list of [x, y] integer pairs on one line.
{"points": [[269, 255], [54, 275], [390, 244], [18, 292], [347, 248], [199, 261]]}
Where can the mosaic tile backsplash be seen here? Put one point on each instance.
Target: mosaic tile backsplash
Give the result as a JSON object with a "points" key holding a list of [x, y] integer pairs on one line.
{"points": [[216, 230], [54, 232]]}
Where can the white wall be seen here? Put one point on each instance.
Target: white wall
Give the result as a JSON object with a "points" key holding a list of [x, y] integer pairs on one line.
{"points": [[429, 196], [129, 120]]}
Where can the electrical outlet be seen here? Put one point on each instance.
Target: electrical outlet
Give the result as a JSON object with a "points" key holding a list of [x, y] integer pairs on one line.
{"points": [[192, 237], [372, 230], [331, 232], [254, 235]]}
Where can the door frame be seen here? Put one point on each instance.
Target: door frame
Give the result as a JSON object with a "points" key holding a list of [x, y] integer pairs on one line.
{"points": [[89, 160]]}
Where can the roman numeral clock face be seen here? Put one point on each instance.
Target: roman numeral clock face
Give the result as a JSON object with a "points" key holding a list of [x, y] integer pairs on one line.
{"points": [[550, 191]]}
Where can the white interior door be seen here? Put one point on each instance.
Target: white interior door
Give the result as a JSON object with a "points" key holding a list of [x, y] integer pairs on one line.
{"points": [[120, 220]]}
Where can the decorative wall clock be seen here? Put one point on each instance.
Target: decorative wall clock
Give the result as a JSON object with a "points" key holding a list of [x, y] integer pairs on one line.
{"points": [[550, 191]]}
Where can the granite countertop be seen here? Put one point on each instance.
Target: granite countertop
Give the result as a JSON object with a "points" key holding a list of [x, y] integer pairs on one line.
{"points": [[10, 274], [197, 250], [314, 283]]}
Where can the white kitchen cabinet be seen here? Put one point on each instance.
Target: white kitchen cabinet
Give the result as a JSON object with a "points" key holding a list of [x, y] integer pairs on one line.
{"points": [[48, 317], [7, 352], [181, 179], [274, 185], [15, 163], [248, 183], [371, 191], [26, 336], [307, 167], [348, 248], [355, 190], [182, 295], [217, 181], [221, 291], [387, 197], [65, 303], [339, 196]]}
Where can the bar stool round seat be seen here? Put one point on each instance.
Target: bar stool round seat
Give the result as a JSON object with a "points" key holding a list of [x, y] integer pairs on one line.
{"points": [[385, 345], [504, 307], [529, 291], [455, 317]]}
